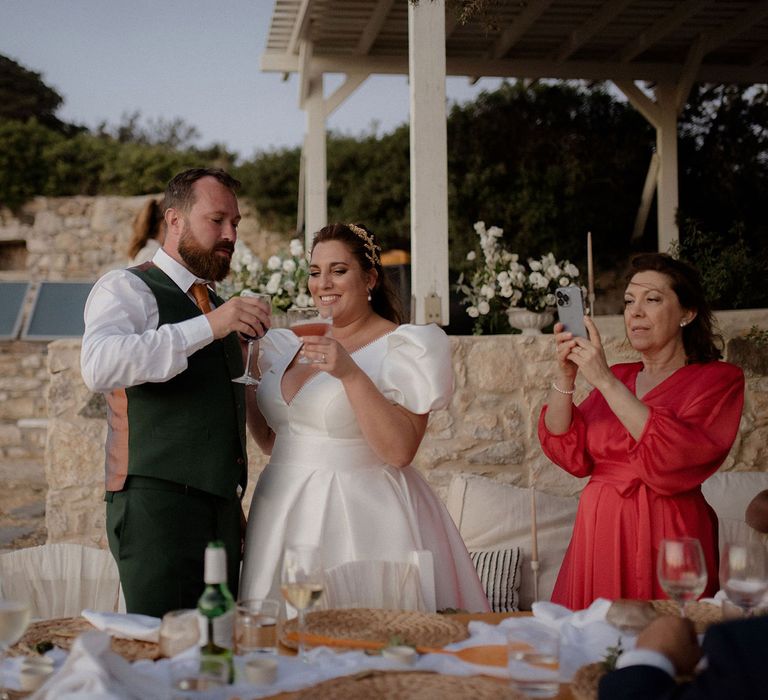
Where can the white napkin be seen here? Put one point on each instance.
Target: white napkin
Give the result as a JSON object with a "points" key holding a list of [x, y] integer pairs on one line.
{"points": [[130, 626], [95, 672]]}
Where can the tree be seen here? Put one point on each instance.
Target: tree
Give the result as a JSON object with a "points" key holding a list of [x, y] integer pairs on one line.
{"points": [[23, 96]]}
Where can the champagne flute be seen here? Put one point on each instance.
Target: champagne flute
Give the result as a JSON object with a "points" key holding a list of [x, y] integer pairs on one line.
{"points": [[310, 321], [301, 583], [681, 569], [14, 618], [744, 574], [250, 376]]}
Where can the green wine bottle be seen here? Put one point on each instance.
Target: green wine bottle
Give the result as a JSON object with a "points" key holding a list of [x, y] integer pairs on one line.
{"points": [[217, 607]]}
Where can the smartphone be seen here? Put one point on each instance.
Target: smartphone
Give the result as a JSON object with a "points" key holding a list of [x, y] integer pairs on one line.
{"points": [[570, 310]]}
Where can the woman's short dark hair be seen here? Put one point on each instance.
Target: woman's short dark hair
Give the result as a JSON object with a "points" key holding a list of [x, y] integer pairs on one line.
{"points": [[361, 242], [700, 341]]}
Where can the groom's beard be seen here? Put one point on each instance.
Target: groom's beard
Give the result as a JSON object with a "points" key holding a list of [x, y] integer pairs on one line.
{"points": [[206, 264]]}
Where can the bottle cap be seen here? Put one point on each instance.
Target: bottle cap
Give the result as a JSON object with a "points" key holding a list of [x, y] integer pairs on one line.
{"points": [[215, 563]]}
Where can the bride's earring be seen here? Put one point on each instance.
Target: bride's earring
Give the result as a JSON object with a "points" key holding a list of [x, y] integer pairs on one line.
{"points": [[369, 295]]}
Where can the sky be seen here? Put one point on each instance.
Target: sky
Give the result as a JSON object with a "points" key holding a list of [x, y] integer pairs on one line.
{"points": [[197, 60]]}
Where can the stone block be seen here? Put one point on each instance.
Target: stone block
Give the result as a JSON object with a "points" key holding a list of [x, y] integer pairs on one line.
{"points": [[504, 452], [493, 364]]}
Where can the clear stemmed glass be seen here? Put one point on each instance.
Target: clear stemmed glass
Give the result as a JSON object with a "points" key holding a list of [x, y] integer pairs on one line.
{"points": [[250, 375], [301, 582], [14, 618], [310, 321], [744, 574], [682, 570]]}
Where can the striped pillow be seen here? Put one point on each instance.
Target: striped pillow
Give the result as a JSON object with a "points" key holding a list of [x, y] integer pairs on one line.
{"points": [[499, 572]]}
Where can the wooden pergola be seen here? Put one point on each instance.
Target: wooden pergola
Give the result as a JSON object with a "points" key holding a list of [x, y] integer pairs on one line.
{"points": [[667, 44]]}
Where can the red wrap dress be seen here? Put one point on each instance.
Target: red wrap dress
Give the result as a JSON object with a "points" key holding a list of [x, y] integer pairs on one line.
{"points": [[642, 491]]}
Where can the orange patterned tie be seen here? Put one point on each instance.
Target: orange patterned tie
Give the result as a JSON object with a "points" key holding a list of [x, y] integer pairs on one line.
{"points": [[200, 292]]}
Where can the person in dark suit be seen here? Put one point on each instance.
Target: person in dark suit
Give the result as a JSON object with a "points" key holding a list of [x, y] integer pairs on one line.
{"points": [[164, 349], [735, 663]]}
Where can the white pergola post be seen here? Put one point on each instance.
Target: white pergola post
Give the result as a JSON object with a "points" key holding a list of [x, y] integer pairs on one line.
{"points": [[429, 163], [666, 147]]}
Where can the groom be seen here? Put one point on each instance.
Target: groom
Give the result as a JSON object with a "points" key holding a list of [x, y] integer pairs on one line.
{"points": [[164, 349]]}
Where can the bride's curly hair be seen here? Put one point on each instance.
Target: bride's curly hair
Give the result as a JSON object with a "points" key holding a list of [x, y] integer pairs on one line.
{"points": [[361, 242]]}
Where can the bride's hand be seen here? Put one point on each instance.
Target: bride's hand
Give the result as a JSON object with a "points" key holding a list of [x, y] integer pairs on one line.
{"points": [[328, 355]]}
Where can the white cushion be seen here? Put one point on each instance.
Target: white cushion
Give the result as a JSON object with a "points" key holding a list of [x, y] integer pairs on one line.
{"points": [[499, 572], [493, 515], [729, 493]]}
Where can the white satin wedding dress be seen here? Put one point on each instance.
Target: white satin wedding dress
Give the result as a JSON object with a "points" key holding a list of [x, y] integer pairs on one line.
{"points": [[325, 486]]}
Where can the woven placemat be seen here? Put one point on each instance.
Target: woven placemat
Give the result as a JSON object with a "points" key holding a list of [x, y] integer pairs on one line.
{"points": [[410, 685], [586, 680], [413, 628], [63, 631], [701, 614]]}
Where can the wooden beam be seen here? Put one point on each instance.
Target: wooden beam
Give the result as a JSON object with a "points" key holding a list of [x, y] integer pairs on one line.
{"points": [[689, 72], [300, 27], [750, 17], [511, 35], [372, 29], [506, 68], [350, 84], [659, 29], [667, 198], [640, 101], [646, 199], [590, 28], [305, 71], [759, 57]]}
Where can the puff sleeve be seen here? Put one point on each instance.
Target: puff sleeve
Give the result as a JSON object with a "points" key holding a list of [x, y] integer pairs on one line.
{"points": [[417, 370]]}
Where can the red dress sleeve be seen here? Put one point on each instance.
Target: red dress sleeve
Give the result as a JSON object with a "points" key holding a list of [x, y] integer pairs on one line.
{"points": [[568, 450], [684, 444]]}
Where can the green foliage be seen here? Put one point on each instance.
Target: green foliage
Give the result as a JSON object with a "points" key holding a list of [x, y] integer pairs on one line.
{"points": [[23, 95], [731, 272]]}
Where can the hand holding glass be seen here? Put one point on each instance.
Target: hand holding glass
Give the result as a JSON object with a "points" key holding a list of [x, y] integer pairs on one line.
{"points": [[250, 376], [310, 321], [301, 582], [744, 574], [14, 618], [681, 570]]}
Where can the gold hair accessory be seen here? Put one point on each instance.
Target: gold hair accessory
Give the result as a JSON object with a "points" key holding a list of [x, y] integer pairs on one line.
{"points": [[371, 249]]}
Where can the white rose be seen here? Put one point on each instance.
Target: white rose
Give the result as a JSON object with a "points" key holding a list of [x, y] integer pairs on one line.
{"points": [[487, 291], [289, 266], [296, 248], [472, 312], [274, 263], [550, 300], [479, 228], [289, 286], [538, 281], [553, 272], [274, 283], [571, 270], [506, 291], [495, 232], [254, 266], [303, 300], [535, 265], [471, 255], [563, 281], [503, 277], [483, 307]]}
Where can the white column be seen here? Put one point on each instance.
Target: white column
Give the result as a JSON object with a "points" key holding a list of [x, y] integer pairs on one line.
{"points": [[666, 147], [316, 202], [429, 162]]}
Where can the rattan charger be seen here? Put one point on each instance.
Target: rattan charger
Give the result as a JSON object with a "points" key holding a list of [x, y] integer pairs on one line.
{"points": [[369, 624], [63, 631], [410, 685]]}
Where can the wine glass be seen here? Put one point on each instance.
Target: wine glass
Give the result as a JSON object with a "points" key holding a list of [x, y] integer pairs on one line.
{"points": [[14, 618], [301, 582], [744, 574], [250, 375], [310, 321], [681, 569]]}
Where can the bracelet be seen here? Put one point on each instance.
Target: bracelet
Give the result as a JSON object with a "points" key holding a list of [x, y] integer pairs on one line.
{"points": [[562, 391]]}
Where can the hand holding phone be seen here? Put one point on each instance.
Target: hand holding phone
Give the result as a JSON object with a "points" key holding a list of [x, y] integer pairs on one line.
{"points": [[570, 310]]}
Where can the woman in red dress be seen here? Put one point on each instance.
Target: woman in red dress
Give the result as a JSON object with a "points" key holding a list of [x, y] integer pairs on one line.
{"points": [[648, 435]]}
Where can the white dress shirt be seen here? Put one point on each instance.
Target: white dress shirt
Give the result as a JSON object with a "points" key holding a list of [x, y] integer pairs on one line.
{"points": [[122, 345], [646, 657]]}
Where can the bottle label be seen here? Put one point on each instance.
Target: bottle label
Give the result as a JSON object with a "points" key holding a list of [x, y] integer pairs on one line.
{"points": [[224, 629]]}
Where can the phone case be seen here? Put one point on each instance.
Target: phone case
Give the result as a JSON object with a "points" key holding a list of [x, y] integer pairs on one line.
{"points": [[570, 310]]}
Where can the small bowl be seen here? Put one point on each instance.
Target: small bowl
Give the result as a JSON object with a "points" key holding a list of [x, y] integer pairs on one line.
{"points": [[261, 671], [403, 654]]}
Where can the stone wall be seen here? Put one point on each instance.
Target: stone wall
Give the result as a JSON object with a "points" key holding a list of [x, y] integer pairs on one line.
{"points": [[67, 238], [489, 427]]}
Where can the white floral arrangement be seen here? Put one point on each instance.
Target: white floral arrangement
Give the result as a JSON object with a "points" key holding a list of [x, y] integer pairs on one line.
{"points": [[282, 276], [500, 282]]}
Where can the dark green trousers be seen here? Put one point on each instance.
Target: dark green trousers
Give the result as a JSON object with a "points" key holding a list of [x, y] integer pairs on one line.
{"points": [[158, 532]]}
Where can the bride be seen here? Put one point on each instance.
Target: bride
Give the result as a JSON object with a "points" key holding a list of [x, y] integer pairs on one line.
{"points": [[342, 432]]}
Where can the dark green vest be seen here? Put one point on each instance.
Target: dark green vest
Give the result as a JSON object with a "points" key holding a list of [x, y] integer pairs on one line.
{"points": [[191, 428]]}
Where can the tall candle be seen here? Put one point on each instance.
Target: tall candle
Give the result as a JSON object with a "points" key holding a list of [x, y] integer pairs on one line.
{"points": [[590, 276], [534, 534]]}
